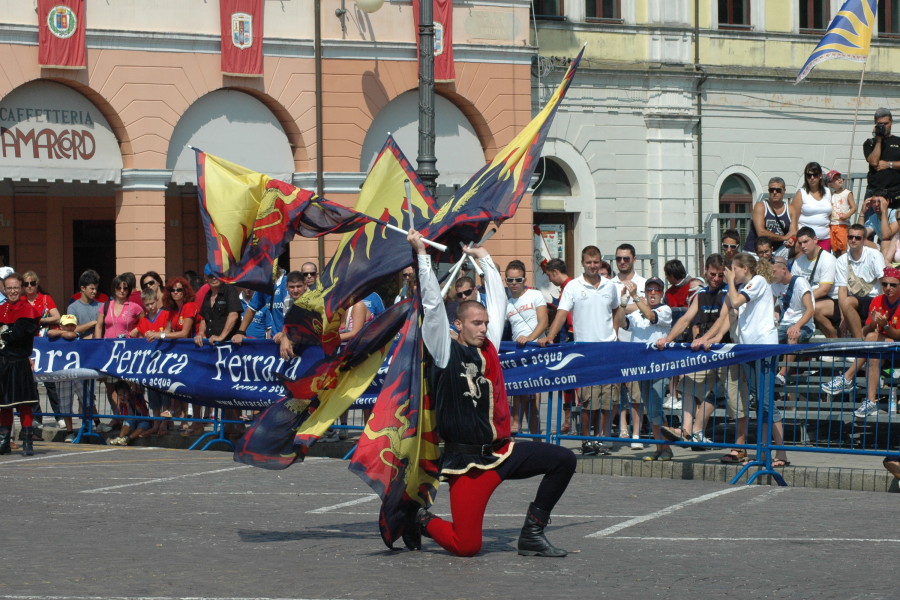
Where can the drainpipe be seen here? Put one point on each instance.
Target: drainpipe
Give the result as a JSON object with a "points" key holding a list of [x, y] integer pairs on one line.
{"points": [[320, 153], [699, 93]]}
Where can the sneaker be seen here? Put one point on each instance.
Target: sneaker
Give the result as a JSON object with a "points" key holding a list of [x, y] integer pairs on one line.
{"points": [[865, 409], [70, 437], [588, 449], [102, 428], [114, 441], [60, 424], [636, 445], [698, 438], [672, 403], [330, 436], [602, 450], [779, 379], [838, 385]]}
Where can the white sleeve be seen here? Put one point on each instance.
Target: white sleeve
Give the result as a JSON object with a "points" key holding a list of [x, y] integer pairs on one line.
{"points": [[495, 299], [435, 328], [841, 273], [664, 316]]}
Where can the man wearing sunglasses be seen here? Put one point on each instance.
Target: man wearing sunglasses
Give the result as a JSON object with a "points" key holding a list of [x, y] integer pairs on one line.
{"points": [[883, 325], [857, 279], [772, 219]]}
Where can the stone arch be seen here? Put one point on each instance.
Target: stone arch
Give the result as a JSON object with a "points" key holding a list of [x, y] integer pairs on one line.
{"points": [[235, 125], [288, 124], [456, 163]]}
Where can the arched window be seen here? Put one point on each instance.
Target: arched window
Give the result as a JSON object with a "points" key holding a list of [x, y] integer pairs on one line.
{"points": [[736, 198], [551, 179]]}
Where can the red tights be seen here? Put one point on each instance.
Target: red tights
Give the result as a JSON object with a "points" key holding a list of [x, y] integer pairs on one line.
{"points": [[6, 416], [469, 495]]}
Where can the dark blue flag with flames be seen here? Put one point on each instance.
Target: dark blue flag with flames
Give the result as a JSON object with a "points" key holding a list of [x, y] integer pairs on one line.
{"points": [[397, 454]]}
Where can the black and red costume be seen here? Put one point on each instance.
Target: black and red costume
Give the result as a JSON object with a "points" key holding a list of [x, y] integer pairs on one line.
{"points": [[19, 321], [473, 418]]}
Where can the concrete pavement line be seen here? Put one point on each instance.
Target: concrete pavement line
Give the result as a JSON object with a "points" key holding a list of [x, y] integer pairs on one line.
{"points": [[160, 480], [34, 458], [146, 598], [754, 539], [326, 509], [666, 511]]}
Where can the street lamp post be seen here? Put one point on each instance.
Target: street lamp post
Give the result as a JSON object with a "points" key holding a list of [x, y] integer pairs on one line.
{"points": [[426, 161]]}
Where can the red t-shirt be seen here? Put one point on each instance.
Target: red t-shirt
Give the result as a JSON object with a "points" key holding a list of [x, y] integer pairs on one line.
{"points": [[42, 304], [879, 304], [677, 295], [188, 310], [158, 323]]}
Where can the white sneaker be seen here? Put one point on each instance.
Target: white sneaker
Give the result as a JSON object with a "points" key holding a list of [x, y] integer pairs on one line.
{"points": [[102, 428], [672, 403], [779, 379], [70, 437], [60, 424], [636, 445], [865, 409], [838, 385]]}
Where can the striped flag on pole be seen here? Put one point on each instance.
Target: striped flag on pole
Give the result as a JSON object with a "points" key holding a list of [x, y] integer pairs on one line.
{"points": [[848, 37]]}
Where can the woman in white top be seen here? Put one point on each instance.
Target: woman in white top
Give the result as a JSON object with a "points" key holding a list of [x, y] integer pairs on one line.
{"points": [[811, 206], [750, 293]]}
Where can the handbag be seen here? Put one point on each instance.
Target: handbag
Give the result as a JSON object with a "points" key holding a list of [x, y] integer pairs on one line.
{"points": [[856, 286]]}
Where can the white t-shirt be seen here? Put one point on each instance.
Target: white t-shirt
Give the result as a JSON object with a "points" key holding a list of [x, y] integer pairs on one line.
{"points": [[756, 317], [591, 308], [625, 298], [815, 213], [522, 314], [642, 330], [825, 271], [869, 267], [795, 307], [840, 203]]}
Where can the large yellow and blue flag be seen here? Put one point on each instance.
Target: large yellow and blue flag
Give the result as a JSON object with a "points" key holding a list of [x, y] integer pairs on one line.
{"points": [[848, 37], [249, 218], [494, 192], [366, 257]]}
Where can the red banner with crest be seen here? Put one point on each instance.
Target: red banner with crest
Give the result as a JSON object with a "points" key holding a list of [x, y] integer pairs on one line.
{"points": [[242, 37], [61, 28], [444, 69]]}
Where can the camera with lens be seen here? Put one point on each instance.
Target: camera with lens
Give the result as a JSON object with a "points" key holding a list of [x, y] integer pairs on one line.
{"points": [[880, 129]]}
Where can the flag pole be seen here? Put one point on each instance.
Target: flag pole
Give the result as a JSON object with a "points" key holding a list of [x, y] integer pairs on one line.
{"points": [[455, 270], [862, 76]]}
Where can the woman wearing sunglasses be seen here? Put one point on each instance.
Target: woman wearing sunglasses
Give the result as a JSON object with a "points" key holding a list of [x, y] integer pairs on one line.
{"points": [[152, 280], [43, 303], [811, 206]]}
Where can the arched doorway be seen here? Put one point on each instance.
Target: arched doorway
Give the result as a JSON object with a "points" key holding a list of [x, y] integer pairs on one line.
{"points": [[230, 124], [736, 198]]}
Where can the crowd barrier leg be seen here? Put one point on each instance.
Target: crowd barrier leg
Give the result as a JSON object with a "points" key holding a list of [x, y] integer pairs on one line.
{"points": [[86, 431], [548, 435], [765, 370], [216, 436]]}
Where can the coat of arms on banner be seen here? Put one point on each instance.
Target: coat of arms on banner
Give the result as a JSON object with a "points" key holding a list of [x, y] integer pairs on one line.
{"points": [[438, 38], [241, 30], [61, 21]]}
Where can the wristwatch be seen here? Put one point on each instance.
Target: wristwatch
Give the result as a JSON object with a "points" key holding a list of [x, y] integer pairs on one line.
{"points": [[162, 336]]}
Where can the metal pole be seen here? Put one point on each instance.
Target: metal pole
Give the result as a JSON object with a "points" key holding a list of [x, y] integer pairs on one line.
{"points": [[426, 160]]}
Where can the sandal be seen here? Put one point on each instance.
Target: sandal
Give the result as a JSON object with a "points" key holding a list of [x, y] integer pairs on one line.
{"points": [[734, 457], [674, 434], [778, 463], [663, 454]]}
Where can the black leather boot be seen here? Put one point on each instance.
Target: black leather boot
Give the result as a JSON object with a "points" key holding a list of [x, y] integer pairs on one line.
{"points": [[27, 441], [415, 529], [532, 541], [5, 434]]}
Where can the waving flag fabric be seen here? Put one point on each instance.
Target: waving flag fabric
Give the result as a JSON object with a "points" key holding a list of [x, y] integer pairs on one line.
{"points": [[848, 37], [249, 218], [289, 427], [494, 193], [398, 452], [366, 257]]}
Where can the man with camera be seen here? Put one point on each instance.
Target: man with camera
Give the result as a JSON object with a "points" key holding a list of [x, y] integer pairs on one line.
{"points": [[882, 152]]}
